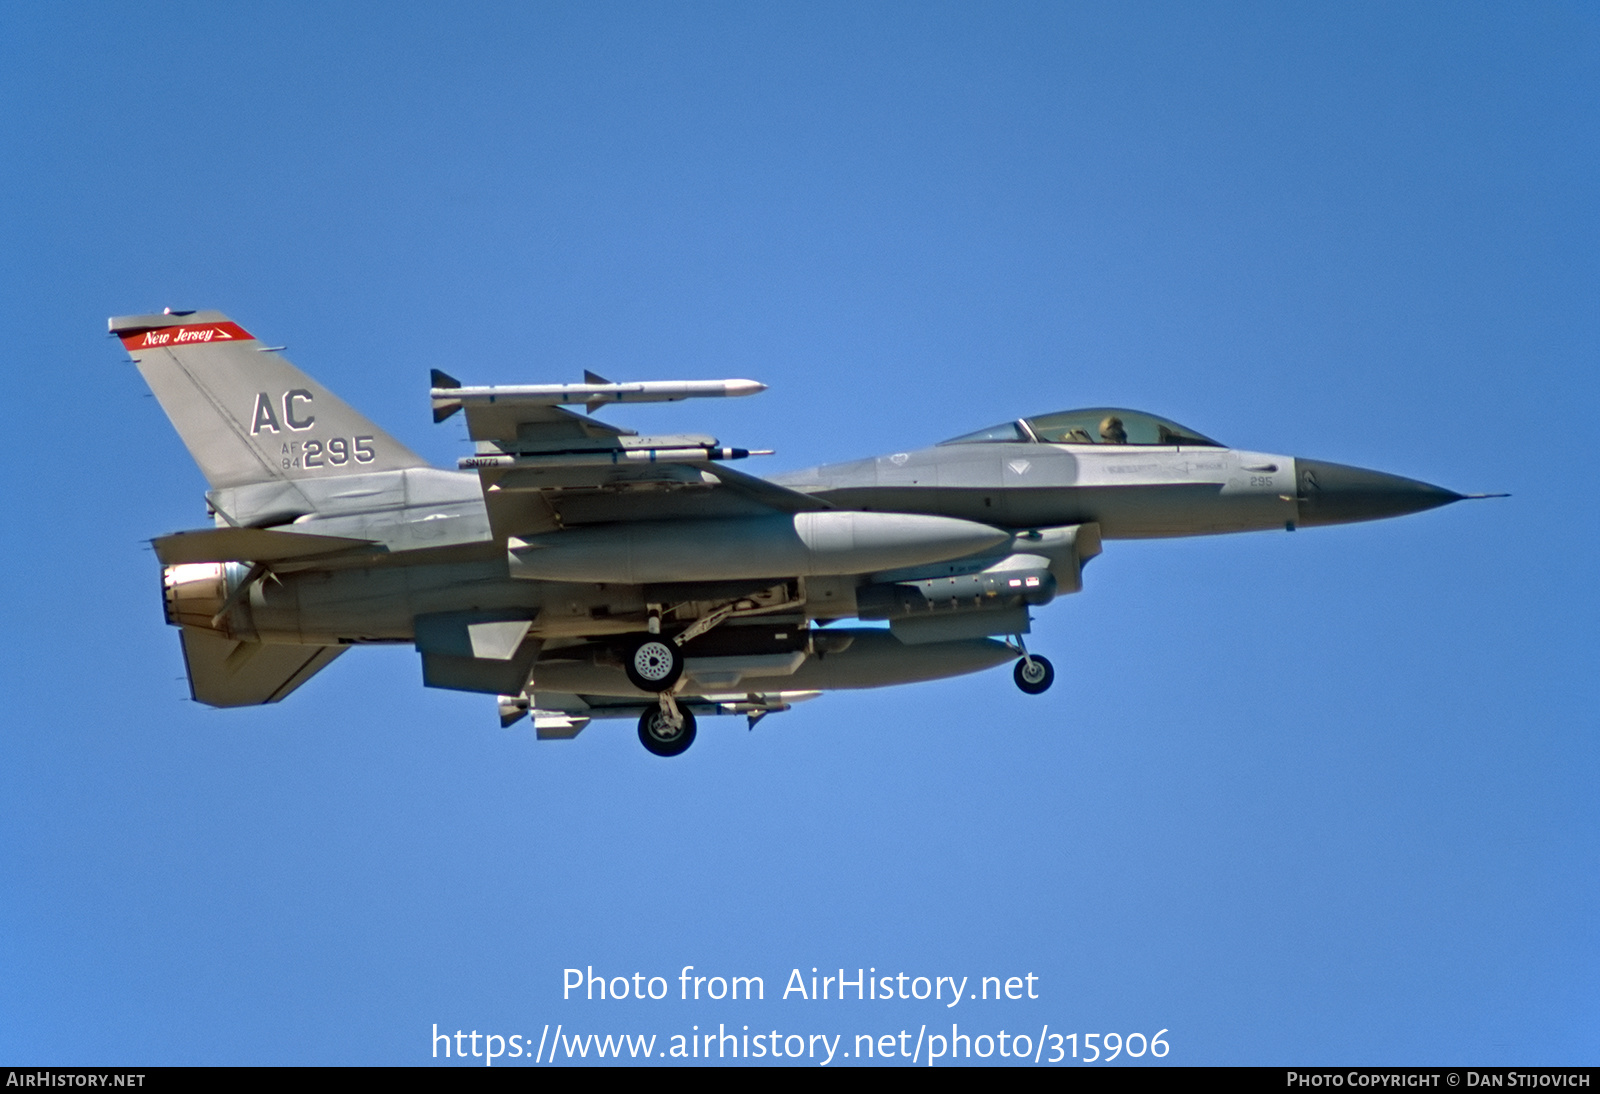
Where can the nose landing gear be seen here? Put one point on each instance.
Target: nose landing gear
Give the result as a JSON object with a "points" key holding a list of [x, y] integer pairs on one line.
{"points": [[1033, 674]]}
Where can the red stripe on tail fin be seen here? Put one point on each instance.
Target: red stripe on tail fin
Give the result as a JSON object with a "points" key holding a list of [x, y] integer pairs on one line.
{"points": [[187, 335]]}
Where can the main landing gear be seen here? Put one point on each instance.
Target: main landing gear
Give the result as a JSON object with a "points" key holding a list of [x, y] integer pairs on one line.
{"points": [[1033, 674], [666, 730], [654, 664]]}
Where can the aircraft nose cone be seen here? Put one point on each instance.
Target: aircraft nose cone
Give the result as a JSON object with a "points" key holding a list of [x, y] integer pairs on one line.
{"points": [[1333, 493]]}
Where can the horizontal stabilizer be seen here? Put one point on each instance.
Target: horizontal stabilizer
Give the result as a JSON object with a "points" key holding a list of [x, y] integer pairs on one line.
{"points": [[247, 545]]}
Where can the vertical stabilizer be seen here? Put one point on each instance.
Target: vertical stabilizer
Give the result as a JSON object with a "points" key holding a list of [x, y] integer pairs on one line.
{"points": [[245, 413]]}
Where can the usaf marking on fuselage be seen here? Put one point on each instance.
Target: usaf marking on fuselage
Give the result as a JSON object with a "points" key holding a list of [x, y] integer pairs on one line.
{"points": [[576, 570]]}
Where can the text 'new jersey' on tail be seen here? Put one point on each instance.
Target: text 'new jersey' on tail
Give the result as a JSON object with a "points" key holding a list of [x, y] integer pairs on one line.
{"points": [[245, 413]]}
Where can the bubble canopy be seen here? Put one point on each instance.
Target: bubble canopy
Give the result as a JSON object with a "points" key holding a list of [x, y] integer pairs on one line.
{"points": [[1094, 425]]}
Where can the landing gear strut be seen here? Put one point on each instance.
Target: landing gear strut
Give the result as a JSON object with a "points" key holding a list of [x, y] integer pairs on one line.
{"points": [[660, 735], [1033, 674]]}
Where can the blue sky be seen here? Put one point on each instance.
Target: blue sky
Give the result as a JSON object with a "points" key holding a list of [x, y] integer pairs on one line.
{"points": [[1327, 797]]}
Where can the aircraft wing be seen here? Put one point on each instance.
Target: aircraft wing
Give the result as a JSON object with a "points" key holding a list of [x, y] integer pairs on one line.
{"points": [[544, 467]]}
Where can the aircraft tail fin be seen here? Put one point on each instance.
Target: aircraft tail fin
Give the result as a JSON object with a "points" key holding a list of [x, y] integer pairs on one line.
{"points": [[245, 413]]}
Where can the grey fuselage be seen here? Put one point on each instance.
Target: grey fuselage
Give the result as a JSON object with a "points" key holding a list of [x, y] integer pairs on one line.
{"points": [[443, 557], [1130, 491]]}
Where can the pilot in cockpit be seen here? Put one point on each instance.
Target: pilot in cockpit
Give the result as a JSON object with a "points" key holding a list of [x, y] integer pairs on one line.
{"points": [[1111, 431]]}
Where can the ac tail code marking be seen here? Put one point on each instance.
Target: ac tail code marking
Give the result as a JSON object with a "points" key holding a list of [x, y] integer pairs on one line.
{"points": [[264, 418]]}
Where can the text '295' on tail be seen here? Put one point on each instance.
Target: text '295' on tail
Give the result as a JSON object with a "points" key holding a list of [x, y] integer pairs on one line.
{"points": [[245, 413]]}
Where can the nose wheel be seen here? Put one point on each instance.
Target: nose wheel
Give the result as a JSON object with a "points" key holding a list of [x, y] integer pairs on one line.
{"points": [[1034, 674]]}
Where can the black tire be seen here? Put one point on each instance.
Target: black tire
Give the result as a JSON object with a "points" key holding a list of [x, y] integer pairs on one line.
{"points": [[658, 739], [1038, 680], [654, 664]]}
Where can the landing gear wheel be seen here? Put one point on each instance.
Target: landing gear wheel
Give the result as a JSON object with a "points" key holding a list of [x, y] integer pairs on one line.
{"points": [[654, 665], [662, 738], [1034, 674]]}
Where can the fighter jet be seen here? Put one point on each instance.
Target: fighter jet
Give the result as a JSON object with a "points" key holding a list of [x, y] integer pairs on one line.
{"points": [[577, 570]]}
